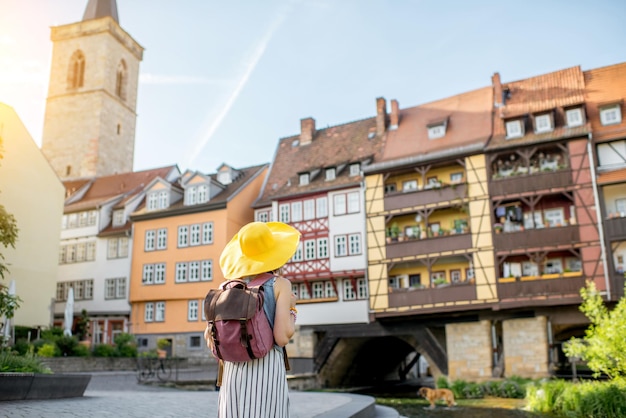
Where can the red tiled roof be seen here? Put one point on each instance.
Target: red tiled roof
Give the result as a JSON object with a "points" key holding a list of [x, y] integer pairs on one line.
{"points": [[606, 85], [337, 146], [105, 188], [469, 121]]}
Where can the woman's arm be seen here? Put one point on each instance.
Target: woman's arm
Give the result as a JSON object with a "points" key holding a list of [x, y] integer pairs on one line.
{"points": [[284, 321]]}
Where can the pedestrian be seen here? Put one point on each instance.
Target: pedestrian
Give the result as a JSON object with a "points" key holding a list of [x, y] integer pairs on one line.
{"points": [[258, 388]]}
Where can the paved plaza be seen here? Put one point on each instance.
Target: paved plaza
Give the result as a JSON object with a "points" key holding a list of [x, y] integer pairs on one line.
{"points": [[117, 394]]}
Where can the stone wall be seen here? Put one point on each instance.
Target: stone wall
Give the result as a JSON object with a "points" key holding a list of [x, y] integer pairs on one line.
{"points": [[525, 343], [96, 364], [469, 350]]}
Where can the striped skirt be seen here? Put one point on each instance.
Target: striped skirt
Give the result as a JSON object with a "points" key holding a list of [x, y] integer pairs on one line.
{"points": [[255, 389]]}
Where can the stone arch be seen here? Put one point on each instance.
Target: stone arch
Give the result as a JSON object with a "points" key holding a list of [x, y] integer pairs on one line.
{"points": [[76, 70]]}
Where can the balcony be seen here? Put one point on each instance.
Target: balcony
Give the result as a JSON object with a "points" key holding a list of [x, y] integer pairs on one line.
{"points": [[531, 183], [448, 293], [532, 238], [541, 291], [433, 245], [400, 200], [615, 229]]}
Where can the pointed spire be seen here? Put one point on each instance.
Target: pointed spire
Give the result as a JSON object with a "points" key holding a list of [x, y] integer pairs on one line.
{"points": [[101, 8]]}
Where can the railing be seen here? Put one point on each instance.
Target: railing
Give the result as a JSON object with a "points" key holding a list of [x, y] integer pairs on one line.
{"points": [[447, 293], [531, 182], [559, 288], [400, 200], [413, 247], [530, 238], [615, 229]]}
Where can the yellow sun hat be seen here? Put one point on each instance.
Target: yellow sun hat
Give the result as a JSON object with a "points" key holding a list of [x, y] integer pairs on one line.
{"points": [[258, 247]]}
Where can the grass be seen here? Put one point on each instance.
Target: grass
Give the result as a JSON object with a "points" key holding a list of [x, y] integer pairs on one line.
{"points": [[466, 408]]}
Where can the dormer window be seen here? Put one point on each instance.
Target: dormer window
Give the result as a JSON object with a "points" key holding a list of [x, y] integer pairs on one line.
{"points": [[514, 129], [304, 179], [574, 117], [197, 194], [158, 200], [543, 123], [330, 174], [118, 217], [437, 130], [610, 115], [355, 169]]}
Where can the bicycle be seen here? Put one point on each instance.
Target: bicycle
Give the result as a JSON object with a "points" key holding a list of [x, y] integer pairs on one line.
{"points": [[150, 367]]}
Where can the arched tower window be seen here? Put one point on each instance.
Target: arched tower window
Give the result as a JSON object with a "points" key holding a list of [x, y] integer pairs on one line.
{"points": [[121, 80], [76, 72]]}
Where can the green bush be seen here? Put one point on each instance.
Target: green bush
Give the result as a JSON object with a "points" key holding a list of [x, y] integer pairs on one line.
{"points": [[51, 334], [28, 363], [442, 382], [492, 388], [458, 388], [473, 391], [48, 350], [21, 347], [67, 345], [125, 345], [104, 350], [511, 389]]}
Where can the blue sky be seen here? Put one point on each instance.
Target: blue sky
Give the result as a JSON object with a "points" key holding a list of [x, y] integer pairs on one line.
{"points": [[223, 81]]}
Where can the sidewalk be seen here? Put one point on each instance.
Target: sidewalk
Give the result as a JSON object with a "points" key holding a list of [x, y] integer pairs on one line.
{"points": [[117, 394]]}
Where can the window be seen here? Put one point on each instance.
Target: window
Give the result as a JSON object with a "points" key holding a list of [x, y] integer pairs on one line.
{"points": [[361, 291], [415, 280], [121, 80], [553, 266], [309, 249], [612, 154], [304, 179], [469, 274], [554, 217], [322, 248], [353, 202], [355, 244], [114, 249], [309, 209], [150, 240], [304, 291], [437, 276], [148, 315], [161, 239], [318, 290], [194, 271], [191, 196], [296, 211], [543, 123], [203, 193], [355, 169], [437, 131], [263, 216], [574, 117], [183, 239], [160, 312], [330, 174], [573, 264], [159, 273], [409, 185], [297, 256], [152, 201], [341, 249], [620, 207], [181, 273], [118, 217], [283, 213], [76, 73], [530, 269], [115, 288], [514, 129], [164, 202], [339, 201], [329, 290], [321, 206], [207, 270], [391, 187], [192, 310], [455, 276], [456, 178], [194, 235], [195, 341], [207, 233], [610, 115], [348, 290]]}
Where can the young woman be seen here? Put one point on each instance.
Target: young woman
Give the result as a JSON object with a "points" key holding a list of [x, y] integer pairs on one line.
{"points": [[258, 388]]}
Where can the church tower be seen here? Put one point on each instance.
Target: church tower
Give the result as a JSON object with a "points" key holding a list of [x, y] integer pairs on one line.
{"points": [[89, 125]]}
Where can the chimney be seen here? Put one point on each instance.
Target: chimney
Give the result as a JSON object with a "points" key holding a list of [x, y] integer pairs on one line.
{"points": [[394, 119], [381, 115], [497, 91], [307, 130]]}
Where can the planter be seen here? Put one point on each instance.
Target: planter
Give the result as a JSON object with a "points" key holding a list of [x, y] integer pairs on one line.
{"points": [[20, 386]]}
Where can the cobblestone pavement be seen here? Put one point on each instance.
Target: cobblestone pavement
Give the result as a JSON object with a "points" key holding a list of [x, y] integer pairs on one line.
{"points": [[119, 395]]}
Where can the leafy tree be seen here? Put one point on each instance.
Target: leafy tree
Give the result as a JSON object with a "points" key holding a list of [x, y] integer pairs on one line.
{"points": [[604, 344], [8, 236]]}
